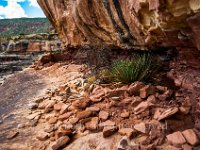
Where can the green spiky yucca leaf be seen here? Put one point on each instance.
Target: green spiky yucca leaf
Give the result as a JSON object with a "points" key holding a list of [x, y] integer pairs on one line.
{"points": [[139, 68]]}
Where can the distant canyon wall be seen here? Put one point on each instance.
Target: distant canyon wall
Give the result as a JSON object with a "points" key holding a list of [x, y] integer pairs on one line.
{"points": [[125, 23], [31, 43]]}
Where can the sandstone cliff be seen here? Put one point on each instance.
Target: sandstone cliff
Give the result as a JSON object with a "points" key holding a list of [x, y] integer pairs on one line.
{"points": [[125, 23]]}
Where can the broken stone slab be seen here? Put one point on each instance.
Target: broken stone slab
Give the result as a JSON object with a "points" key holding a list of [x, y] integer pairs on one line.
{"points": [[136, 101], [125, 114], [107, 123], [62, 141], [53, 120], [81, 103], [97, 96], [58, 106], [65, 116], [64, 108], [42, 136], [143, 106], [129, 132], [62, 132], [33, 105], [73, 120], [186, 106], [43, 104], [143, 114], [92, 124], [50, 104], [146, 91], [186, 147], [134, 88], [176, 139], [191, 137], [84, 114], [12, 134], [33, 116], [168, 113], [109, 130], [103, 115], [142, 127], [158, 112], [93, 109]]}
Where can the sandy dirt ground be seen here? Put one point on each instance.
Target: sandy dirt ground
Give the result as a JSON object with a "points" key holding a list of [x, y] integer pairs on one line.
{"points": [[15, 95]]}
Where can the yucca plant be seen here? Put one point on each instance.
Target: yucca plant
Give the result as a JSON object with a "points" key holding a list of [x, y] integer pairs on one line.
{"points": [[139, 68]]}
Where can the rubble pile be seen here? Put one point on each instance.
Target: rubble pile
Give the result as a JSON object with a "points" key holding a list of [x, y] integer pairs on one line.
{"points": [[146, 116]]}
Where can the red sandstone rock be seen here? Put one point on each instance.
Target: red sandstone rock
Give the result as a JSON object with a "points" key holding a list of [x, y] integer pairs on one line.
{"points": [[107, 123], [125, 114], [176, 139], [64, 108], [53, 120], [146, 91], [65, 116], [93, 124], [84, 114], [168, 113], [103, 115], [134, 89], [97, 97], [93, 109], [73, 120], [12, 134], [152, 25], [42, 136], [62, 132], [186, 147], [81, 104], [108, 131], [58, 106], [126, 132], [60, 142], [143, 106], [191, 137], [141, 127]]}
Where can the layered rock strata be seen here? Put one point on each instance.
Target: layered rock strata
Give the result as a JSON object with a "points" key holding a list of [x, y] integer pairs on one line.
{"points": [[125, 23]]}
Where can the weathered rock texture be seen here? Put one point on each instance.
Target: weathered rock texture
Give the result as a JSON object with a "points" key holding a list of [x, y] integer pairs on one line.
{"points": [[125, 23]]}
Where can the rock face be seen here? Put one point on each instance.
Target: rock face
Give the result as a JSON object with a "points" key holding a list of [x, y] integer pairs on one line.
{"points": [[125, 23]]}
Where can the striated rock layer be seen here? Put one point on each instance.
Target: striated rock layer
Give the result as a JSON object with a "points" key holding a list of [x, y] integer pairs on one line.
{"points": [[125, 23]]}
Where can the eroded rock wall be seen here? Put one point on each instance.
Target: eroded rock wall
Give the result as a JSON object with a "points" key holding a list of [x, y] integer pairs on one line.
{"points": [[125, 23]]}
